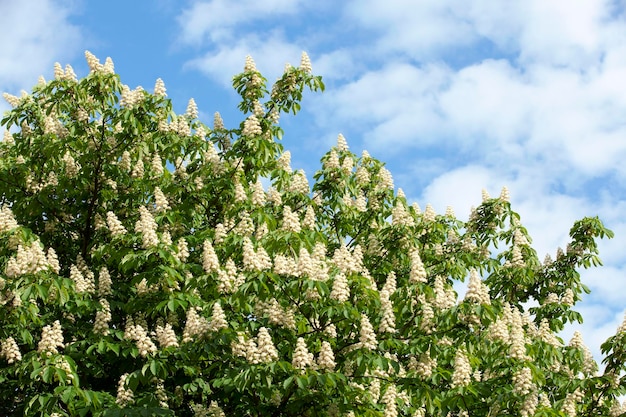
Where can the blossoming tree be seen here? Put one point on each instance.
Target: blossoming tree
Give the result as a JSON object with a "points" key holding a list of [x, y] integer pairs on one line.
{"points": [[151, 265]]}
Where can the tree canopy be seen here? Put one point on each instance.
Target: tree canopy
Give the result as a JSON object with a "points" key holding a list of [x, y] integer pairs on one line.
{"points": [[153, 265]]}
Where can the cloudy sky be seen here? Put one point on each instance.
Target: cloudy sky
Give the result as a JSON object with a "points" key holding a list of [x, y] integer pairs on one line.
{"points": [[454, 96]]}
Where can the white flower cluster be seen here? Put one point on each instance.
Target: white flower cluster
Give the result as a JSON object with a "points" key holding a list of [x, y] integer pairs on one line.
{"points": [[477, 291], [192, 110], [400, 216], [617, 409], [29, 260], [104, 282], [10, 351], [53, 126], [418, 272], [255, 261], [462, 374], [589, 364], [311, 265], [53, 260], [114, 225], [276, 314], [517, 339], [218, 318], [347, 164], [61, 363], [423, 367], [147, 227], [240, 192], [568, 298], [326, 357], [7, 138], [552, 298], [159, 88], [517, 258], [299, 183], [284, 161], [385, 180], [429, 214], [258, 350], [427, 323], [137, 333], [51, 339], [309, 223], [348, 262], [342, 144], [182, 250], [302, 358], [529, 406], [285, 265], [498, 330], [124, 162], [367, 337], [210, 263], [95, 66], [218, 123], [388, 321], [332, 161], [445, 297], [305, 63], [622, 327], [571, 399], [215, 410], [519, 238], [166, 336], [160, 201], [138, 169], [229, 278], [131, 98], [14, 101], [251, 127], [258, 194], [83, 280], [544, 333], [156, 165], [389, 399], [195, 325], [125, 395], [258, 109], [523, 382], [72, 168], [291, 222], [340, 290], [160, 393], [103, 316]]}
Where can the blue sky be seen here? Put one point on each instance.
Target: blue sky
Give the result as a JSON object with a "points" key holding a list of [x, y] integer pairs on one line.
{"points": [[454, 96]]}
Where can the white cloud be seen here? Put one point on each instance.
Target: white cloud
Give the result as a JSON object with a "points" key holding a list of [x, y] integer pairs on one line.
{"points": [[270, 55], [390, 107], [419, 29], [337, 64], [569, 120], [460, 189], [563, 33], [555, 94], [216, 20], [39, 33], [559, 32], [227, 32]]}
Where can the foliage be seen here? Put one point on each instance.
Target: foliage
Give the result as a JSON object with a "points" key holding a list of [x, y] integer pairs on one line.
{"points": [[148, 269]]}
